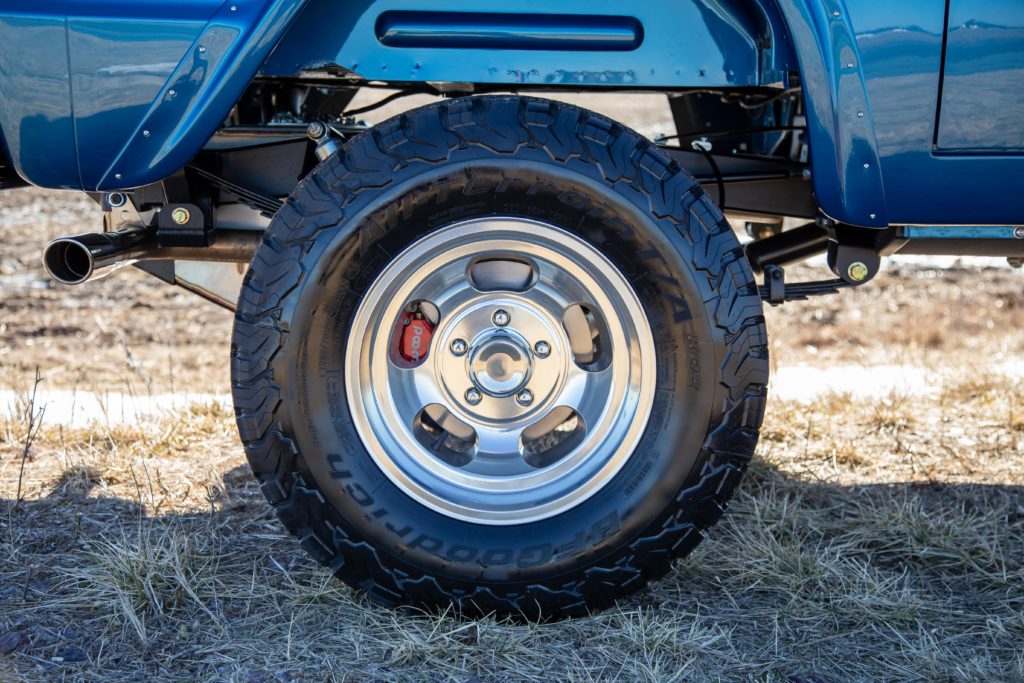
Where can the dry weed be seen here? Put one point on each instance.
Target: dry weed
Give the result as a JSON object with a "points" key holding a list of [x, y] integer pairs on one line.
{"points": [[840, 557]]}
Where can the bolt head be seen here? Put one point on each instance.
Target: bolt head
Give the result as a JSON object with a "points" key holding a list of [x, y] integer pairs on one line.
{"points": [[857, 271], [1018, 232], [524, 397], [316, 130], [542, 349], [473, 396], [180, 216], [501, 317], [458, 347]]}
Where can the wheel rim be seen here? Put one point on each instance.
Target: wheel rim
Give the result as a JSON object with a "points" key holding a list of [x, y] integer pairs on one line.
{"points": [[537, 383]]}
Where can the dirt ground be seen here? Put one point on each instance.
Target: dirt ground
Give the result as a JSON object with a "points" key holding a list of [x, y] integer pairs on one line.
{"points": [[874, 539]]}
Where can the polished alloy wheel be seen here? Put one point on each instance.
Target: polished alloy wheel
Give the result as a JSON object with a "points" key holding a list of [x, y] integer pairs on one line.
{"points": [[535, 386]]}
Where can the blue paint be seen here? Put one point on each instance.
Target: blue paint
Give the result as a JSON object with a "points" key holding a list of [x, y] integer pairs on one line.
{"points": [[719, 46], [111, 121], [901, 51], [112, 87], [984, 64], [891, 143], [35, 98], [207, 82], [503, 31], [960, 232]]}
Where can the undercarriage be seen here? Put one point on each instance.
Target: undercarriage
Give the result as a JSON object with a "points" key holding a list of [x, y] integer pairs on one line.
{"points": [[747, 147]]}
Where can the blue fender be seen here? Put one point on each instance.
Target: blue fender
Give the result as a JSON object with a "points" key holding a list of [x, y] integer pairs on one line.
{"points": [[201, 91], [602, 43], [111, 94], [847, 174]]}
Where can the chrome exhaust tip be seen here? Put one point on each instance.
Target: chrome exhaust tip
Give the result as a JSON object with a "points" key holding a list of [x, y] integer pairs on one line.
{"points": [[78, 259], [68, 261]]}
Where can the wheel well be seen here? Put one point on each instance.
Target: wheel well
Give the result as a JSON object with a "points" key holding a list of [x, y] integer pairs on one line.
{"points": [[753, 140]]}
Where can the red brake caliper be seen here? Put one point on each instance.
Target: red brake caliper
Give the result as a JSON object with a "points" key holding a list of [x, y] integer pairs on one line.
{"points": [[416, 333]]}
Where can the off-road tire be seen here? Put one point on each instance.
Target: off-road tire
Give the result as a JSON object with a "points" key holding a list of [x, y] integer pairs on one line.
{"points": [[423, 170]]}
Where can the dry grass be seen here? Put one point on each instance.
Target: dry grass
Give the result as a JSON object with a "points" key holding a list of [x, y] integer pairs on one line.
{"points": [[871, 541]]}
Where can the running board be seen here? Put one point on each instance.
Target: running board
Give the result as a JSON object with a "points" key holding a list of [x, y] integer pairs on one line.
{"points": [[959, 240]]}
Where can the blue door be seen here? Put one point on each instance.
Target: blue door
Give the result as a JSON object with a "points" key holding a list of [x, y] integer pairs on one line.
{"points": [[982, 101]]}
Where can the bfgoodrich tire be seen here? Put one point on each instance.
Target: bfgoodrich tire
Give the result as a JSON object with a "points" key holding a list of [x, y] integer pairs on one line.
{"points": [[575, 189]]}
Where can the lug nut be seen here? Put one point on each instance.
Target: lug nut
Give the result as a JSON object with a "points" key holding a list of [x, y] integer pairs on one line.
{"points": [[524, 397], [473, 396], [459, 346], [501, 317], [542, 348]]}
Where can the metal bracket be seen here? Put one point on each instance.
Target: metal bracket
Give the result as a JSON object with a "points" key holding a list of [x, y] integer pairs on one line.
{"points": [[775, 290], [182, 225], [775, 285], [322, 136], [854, 264]]}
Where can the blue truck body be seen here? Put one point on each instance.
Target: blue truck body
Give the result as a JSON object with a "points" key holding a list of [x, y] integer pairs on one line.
{"points": [[915, 109]]}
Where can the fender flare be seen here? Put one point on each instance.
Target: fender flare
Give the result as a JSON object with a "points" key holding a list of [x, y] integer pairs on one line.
{"points": [[200, 92], [847, 173]]}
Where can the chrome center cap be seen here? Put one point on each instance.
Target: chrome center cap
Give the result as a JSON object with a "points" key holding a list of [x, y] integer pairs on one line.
{"points": [[500, 366]]}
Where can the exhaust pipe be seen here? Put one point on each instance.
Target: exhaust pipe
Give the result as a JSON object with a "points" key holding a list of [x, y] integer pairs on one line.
{"points": [[78, 259]]}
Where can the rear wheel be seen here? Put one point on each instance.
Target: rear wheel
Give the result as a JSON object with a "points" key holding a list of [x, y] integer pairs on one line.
{"points": [[499, 352]]}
